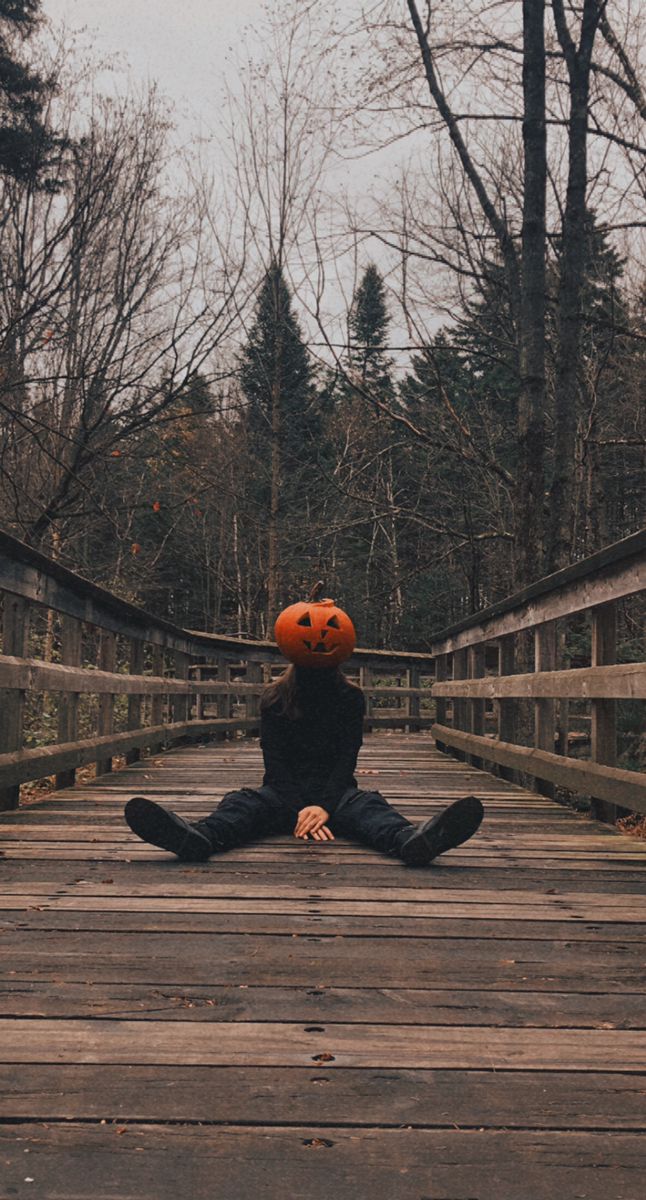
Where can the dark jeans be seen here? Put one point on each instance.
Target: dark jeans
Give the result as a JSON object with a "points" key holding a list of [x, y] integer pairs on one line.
{"points": [[254, 813]]}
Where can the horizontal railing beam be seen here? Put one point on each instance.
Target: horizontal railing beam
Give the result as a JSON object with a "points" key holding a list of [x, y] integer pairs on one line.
{"points": [[626, 789], [404, 692], [398, 721], [34, 675], [22, 766], [626, 681], [30, 674]]}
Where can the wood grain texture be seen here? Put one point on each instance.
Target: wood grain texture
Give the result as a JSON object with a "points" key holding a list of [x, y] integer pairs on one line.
{"points": [[286, 1044], [215, 1002], [314, 1161], [373, 1097], [303, 1020]]}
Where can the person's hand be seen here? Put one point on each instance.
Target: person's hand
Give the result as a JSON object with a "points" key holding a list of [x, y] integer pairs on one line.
{"points": [[311, 823]]}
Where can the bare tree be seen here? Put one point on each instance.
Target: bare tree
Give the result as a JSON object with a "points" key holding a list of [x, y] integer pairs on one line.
{"points": [[487, 207], [112, 298], [282, 126]]}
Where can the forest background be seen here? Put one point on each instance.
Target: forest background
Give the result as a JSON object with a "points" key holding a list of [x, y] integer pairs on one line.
{"points": [[226, 375]]}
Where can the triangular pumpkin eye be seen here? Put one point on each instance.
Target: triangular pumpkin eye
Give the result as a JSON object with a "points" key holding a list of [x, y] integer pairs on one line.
{"points": [[305, 620], [334, 622]]}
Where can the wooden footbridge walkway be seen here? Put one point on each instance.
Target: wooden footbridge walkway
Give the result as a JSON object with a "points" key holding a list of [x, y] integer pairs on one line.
{"points": [[311, 1020]]}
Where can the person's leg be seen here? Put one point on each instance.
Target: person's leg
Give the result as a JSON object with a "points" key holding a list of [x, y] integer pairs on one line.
{"points": [[245, 815], [239, 817], [161, 827], [366, 817], [448, 829]]}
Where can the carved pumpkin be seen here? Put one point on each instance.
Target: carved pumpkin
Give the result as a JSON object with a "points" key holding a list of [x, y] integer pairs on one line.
{"points": [[315, 633]]}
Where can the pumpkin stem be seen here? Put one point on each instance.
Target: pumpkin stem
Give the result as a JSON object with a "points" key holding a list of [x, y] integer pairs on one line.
{"points": [[316, 591]]}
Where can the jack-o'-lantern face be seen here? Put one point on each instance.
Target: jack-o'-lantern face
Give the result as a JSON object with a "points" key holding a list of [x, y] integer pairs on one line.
{"points": [[315, 633]]}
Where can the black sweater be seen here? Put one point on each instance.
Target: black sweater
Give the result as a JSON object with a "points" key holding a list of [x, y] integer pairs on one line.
{"points": [[311, 759]]}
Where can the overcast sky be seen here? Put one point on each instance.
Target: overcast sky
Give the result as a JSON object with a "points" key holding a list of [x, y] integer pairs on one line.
{"points": [[183, 44], [187, 47]]}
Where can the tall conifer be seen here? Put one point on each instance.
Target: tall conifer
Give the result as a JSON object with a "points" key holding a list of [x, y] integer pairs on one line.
{"points": [[369, 321], [28, 146], [283, 419]]}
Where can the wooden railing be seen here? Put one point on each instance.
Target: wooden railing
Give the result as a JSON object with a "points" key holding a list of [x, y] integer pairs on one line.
{"points": [[113, 680], [151, 684], [478, 666]]}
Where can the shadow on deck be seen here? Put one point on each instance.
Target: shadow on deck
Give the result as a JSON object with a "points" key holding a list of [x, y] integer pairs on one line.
{"points": [[314, 1020]]}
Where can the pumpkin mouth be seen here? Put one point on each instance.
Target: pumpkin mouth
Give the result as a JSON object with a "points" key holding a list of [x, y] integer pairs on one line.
{"points": [[320, 647]]}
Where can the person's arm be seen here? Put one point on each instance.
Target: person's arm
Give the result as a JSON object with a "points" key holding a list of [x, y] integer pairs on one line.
{"points": [[340, 777], [278, 773]]}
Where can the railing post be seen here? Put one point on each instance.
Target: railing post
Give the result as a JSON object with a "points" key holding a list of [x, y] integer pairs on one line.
{"points": [[71, 656], [563, 727], [199, 697], [562, 705], [413, 701], [476, 708], [12, 703], [507, 708], [545, 710], [604, 713], [440, 704], [460, 667], [136, 666], [365, 682], [224, 699], [157, 701], [181, 702], [254, 675], [107, 658]]}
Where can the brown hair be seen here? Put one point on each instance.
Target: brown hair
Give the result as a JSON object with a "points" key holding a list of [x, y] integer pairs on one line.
{"points": [[284, 689]]}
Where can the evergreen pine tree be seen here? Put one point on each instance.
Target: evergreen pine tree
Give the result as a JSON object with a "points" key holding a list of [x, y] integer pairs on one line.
{"points": [[276, 375], [284, 428], [28, 147], [375, 541], [369, 321]]}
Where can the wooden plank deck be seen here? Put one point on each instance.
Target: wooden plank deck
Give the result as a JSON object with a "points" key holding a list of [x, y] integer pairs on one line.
{"points": [[306, 1020]]}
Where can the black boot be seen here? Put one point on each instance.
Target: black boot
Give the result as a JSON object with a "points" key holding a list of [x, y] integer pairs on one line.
{"points": [[448, 829], [164, 828]]}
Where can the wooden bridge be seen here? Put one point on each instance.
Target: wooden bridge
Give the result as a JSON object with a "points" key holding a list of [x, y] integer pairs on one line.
{"points": [[308, 1020]]}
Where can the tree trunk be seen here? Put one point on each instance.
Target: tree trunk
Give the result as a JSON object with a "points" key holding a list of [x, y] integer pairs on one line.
{"points": [[569, 314], [273, 581], [531, 333]]}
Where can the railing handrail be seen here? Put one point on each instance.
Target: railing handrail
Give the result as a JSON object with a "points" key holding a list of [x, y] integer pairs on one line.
{"points": [[135, 621], [611, 574], [55, 586], [622, 552], [78, 597]]}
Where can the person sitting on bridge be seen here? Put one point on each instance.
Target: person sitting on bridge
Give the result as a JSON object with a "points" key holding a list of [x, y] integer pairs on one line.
{"points": [[311, 730]]}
